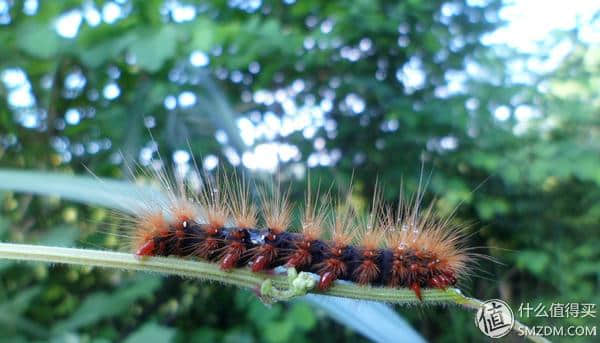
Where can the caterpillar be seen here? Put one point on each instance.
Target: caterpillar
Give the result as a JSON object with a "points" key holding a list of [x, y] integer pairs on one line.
{"points": [[399, 247]]}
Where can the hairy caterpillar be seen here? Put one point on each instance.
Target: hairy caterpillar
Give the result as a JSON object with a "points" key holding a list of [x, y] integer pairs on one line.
{"points": [[395, 247]]}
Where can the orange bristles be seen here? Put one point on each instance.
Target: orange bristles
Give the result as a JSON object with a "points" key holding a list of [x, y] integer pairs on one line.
{"points": [[244, 212], [315, 214], [344, 228], [184, 210], [276, 208], [213, 201], [148, 227], [371, 239], [151, 225]]}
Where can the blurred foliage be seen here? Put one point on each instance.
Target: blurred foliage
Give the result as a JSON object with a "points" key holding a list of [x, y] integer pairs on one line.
{"points": [[374, 88]]}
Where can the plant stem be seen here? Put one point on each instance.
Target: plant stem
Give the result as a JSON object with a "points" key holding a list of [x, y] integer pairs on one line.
{"points": [[241, 277]]}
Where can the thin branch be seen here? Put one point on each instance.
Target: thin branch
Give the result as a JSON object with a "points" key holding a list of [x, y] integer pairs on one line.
{"points": [[241, 277], [285, 287]]}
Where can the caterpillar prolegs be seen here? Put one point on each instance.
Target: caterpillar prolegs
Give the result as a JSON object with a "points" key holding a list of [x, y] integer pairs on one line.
{"points": [[393, 247]]}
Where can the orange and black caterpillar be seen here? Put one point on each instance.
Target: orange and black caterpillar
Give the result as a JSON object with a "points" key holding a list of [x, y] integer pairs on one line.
{"points": [[407, 247]]}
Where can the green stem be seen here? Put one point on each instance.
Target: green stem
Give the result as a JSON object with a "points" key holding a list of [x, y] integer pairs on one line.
{"points": [[278, 287]]}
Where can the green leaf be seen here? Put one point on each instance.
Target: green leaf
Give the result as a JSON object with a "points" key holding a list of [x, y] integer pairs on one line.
{"points": [[302, 315], [153, 47], [534, 261], [4, 225], [11, 311], [120, 195], [151, 332], [37, 39], [20, 303], [62, 236], [202, 35], [237, 336], [102, 305], [279, 331], [104, 51], [489, 207], [204, 335]]}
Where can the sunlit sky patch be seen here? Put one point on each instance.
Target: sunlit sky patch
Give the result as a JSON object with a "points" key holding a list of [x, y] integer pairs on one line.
{"points": [[530, 21], [67, 25]]}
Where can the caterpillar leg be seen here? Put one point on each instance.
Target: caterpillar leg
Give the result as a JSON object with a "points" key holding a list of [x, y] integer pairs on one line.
{"points": [[331, 270], [232, 255], [326, 280], [207, 248], [417, 289], [264, 257], [236, 248], [147, 249], [299, 259], [366, 272]]}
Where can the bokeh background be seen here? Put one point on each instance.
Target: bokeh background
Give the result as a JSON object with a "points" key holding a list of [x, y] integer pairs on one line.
{"points": [[500, 101]]}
